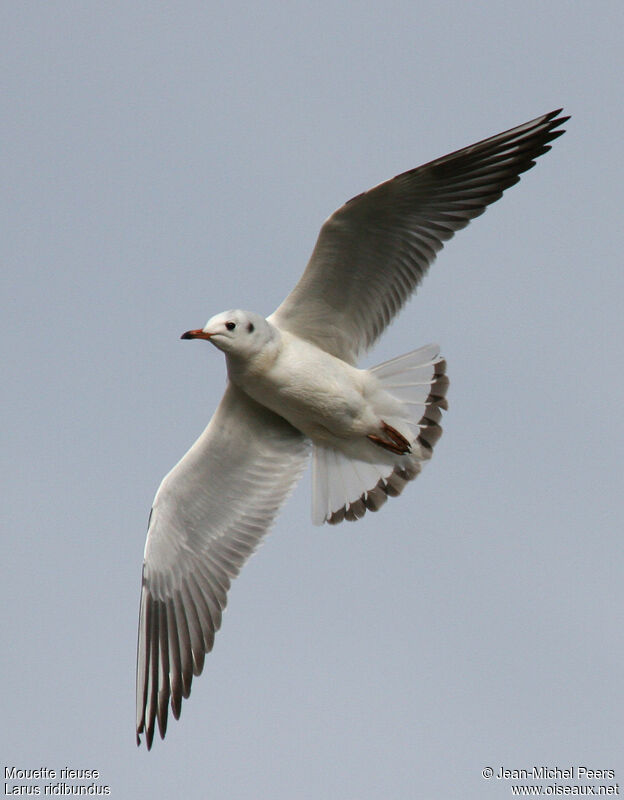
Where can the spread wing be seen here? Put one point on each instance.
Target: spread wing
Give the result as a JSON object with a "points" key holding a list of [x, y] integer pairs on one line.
{"points": [[372, 253], [208, 516]]}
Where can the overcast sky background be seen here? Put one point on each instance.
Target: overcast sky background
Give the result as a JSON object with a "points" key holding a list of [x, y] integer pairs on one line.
{"points": [[163, 162]]}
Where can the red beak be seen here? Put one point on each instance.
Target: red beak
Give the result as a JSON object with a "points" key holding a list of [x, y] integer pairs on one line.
{"points": [[196, 334]]}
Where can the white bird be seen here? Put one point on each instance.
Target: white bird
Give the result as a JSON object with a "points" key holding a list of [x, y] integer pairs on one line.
{"points": [[293, 387]]}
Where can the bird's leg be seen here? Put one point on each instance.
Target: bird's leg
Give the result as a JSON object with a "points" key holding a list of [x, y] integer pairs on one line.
{"points": [[398, 443]]}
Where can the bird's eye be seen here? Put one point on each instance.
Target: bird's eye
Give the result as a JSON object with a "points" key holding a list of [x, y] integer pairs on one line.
{"points": [[230, 325], [250, 327]]}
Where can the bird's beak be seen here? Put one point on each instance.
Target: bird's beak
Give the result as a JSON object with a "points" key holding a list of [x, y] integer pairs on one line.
{"points": [[197, 334]]}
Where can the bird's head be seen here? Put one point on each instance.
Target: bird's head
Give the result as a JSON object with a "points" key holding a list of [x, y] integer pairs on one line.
{"points": [[237, 333]]}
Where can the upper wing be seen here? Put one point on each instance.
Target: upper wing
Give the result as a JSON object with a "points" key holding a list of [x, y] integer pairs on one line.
{"points": [[208, 516], [372, 253]]}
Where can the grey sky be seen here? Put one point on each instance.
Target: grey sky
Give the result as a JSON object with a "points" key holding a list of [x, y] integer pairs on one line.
{"points": [[163, 163]]}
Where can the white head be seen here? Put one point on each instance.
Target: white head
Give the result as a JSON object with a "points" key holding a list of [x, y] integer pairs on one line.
{"points": [[237, 333]]}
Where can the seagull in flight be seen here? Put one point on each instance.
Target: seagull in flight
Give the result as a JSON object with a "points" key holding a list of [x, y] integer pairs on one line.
{"points": [[294, 388]]}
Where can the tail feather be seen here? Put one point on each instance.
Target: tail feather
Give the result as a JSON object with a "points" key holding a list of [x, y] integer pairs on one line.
{"points": [[337, 483], [345, 487], [430, 428]]}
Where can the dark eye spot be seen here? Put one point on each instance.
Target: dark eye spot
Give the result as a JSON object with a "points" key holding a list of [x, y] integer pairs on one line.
{"points": [[250, 327], [230, 325]]}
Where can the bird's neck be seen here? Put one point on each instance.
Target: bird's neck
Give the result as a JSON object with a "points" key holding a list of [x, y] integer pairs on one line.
{"points": [[243, 368]]}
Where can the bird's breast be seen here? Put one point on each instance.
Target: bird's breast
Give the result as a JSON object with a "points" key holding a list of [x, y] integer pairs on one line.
{"points": [[317, 393]]}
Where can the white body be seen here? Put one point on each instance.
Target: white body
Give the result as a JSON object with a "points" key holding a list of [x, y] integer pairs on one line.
{"points": [[330, 401]]}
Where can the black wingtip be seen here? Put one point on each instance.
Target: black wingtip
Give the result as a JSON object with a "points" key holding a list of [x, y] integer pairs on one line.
{"points": [[176, 705], [555, 121]]}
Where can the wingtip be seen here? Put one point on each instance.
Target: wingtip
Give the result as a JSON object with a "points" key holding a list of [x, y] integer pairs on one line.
{"points": [[555, 115], [555, 120]]}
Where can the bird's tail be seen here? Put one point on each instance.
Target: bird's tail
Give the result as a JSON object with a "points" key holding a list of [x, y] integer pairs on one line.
{"points": [[344, 487]]}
